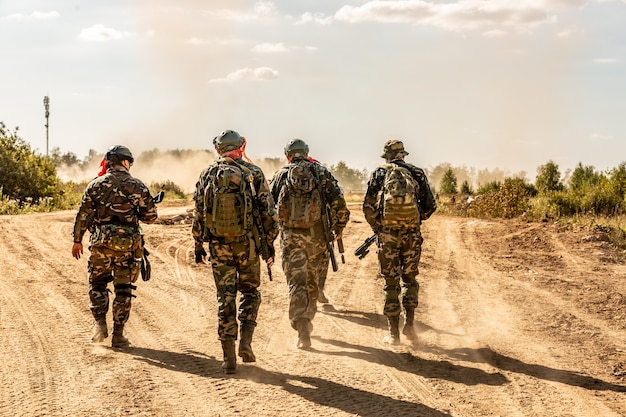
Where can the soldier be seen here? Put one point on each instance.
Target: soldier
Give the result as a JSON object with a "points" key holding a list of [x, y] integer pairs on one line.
{"points": [[397, 200], [297, 189], [226, 194], [111, 208]]}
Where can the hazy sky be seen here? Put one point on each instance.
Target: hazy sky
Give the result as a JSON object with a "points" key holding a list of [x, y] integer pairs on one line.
{"points": [[506, 84]]}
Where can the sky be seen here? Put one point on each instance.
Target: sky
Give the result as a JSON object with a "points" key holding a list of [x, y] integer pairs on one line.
{"points": [[500, 84]]}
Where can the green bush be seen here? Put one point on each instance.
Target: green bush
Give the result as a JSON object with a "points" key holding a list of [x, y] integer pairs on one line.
{"points": [[26, 177], [171, 190]]}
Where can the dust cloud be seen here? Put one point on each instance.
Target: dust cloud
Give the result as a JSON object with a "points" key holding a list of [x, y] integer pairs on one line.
{"points": [[183, 169]]}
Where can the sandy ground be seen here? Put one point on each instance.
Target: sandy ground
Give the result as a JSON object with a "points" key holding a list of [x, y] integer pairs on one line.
{"points": [[515, 319]]}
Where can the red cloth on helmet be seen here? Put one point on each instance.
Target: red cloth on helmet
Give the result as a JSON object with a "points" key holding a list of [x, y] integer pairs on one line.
{"points": [[103, 167], [313, 160]]}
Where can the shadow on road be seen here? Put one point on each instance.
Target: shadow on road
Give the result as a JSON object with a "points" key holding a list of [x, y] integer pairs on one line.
{"points": [[408, 362], [506, 363], [320, 391]]}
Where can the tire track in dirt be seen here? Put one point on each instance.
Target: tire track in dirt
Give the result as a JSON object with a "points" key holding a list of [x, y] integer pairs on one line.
{"points": [[34, 313], [498, 338]]}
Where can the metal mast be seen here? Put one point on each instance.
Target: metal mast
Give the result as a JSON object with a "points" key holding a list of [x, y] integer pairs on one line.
{"points": [[46, 105]]}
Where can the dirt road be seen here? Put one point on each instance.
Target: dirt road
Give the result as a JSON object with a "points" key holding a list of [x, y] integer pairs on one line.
{"points": [[515, 319]]}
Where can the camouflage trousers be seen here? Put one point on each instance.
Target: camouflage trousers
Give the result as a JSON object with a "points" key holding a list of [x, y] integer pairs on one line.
{"points": [[304, 261], [236, 268], [120, 267], [399, 254]]}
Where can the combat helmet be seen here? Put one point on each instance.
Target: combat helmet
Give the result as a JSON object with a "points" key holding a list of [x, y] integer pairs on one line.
{"points": [[394, 148], [118, 153], [228, 140], [297, 148]]}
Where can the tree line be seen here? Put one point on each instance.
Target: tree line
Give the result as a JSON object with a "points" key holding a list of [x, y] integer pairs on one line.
{"points": [[29, 180]]}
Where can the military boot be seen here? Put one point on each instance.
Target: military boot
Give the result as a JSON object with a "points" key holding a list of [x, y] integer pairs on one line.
{"points": [[119, 340], [245, 350], [304, 328], [230, 360], [100, 331], [393, 337], [408, 329]]}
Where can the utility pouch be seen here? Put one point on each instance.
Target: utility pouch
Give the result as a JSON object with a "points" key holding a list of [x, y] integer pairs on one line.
{"points": [[117, 237]]}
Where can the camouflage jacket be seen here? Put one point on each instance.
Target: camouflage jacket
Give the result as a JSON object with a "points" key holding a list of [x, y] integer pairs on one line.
{"points": [[115, 197], [333, 194], [264, 201], [371, 202]]}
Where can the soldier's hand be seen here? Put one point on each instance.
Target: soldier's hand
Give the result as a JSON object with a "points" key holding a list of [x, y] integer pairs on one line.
{"points": [[77, 250], [200, 256], [269, 262]]}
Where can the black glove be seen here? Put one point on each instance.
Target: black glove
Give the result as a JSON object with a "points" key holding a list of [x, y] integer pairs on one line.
{"points": [[200, 255]]}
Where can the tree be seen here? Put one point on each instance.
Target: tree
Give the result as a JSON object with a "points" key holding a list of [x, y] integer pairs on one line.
{"points": [[548, 178], [465, 188], [448, 182], [583, 176], [349, 178], [25, 175], [58, 159]]}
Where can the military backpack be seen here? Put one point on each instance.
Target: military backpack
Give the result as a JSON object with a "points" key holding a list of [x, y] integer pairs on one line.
{"points": [[228, 200], [299, 201], [399, 198]]}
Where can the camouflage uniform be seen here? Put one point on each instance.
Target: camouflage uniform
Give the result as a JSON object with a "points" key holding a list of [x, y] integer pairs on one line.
{"points": [[304, 252], [235, 263], [399, 250], [113, 202]]}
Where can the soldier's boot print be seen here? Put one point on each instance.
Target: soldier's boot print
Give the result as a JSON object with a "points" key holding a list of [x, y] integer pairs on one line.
{"points": [[304, 327], [408, 329], [229, 365], [321, 297], [100, 331], [245, 348], [393, 337], [119, 340]]}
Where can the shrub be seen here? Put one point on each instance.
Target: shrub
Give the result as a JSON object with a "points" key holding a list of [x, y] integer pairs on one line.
{"points": [[171, 190], [26, 176]]}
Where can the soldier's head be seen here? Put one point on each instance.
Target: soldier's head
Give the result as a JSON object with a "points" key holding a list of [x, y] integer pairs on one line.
{"points": [[227, 141], [116, 155], [296, 149], [394, 149]]}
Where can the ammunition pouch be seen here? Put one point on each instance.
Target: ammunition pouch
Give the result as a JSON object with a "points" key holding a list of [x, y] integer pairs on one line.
{"points": [[117, 237]]}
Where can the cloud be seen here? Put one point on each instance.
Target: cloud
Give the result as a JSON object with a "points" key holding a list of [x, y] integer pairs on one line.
{"points": [[600, 136], [459, 15], [317, 18], [34, 16], [271, 48], [274, 48], [99, 33], [261, 9], [248, 74]]}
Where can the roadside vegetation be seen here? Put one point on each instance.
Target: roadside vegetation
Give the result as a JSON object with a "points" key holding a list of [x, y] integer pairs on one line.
{"points": [[583, 197]]}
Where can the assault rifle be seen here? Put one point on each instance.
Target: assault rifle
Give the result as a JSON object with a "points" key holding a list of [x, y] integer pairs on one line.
{"points": [[363, 250], [258, 230], [328, 234], [146, 269]]}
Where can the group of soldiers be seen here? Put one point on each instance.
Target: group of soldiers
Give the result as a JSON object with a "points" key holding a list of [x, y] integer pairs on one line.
{"points": [[239, 214]]}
